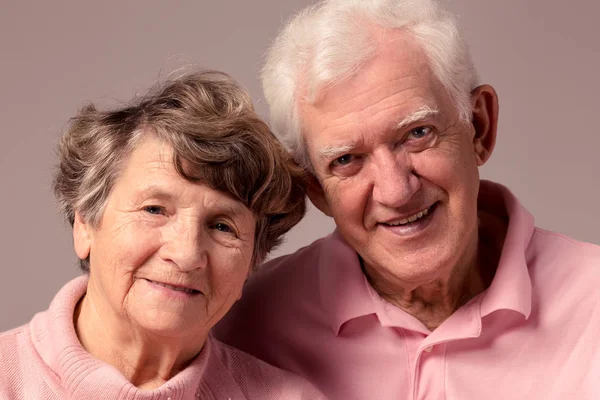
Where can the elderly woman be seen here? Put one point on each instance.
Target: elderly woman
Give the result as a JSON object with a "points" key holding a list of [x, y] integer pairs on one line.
{"points": [[173, 200]]}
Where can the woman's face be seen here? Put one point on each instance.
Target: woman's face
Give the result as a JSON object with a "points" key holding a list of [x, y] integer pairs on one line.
{"points": [[169, 255]]}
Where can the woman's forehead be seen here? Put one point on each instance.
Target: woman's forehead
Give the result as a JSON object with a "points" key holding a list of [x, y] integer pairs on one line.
{"points": [[150, 173]]}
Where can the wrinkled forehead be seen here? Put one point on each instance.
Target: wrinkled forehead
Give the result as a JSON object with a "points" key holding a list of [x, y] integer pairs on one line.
{"points": [[155, 170], [397, 79]]}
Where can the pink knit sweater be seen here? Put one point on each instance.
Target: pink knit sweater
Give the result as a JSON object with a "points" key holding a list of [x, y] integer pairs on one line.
{"points": [[44, 360]]}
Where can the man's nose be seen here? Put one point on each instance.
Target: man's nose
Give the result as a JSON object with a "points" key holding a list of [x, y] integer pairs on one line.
{"points": [[394, 181]]}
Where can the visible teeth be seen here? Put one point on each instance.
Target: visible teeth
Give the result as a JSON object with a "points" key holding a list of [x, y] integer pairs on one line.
{"points": [[410, 219]]}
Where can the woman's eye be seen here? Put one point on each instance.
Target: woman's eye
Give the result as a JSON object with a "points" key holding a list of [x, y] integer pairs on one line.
{"points": [[223, 227], [420, 132], [157, 210]]}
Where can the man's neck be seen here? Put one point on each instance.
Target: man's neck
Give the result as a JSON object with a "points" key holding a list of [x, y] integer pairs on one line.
{"points": [[434, 301]]}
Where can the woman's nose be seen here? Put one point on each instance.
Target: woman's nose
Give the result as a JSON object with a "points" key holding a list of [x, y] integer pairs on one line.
{"points": [[187, 245]]}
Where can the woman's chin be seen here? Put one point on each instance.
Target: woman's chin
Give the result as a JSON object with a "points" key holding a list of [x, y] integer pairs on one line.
{"points": [[164, 323], [166, 316]]}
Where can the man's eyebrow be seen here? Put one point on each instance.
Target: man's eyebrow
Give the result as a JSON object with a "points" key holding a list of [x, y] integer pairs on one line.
{"points": [[419, 115], [335, 151]]}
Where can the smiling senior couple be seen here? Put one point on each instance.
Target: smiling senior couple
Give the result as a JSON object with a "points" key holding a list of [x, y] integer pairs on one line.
{"points": [[435, 285]]}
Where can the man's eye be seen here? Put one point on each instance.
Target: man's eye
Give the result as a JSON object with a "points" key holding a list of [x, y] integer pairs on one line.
{"points": [[157, 210], [420, 132], [343, 160]]}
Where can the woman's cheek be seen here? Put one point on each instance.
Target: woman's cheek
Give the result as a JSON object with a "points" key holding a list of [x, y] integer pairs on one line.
{"points": [[231, 269], [140, 244]]}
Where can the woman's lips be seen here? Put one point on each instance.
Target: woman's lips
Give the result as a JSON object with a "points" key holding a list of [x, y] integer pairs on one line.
{"points": [[175, 288]]}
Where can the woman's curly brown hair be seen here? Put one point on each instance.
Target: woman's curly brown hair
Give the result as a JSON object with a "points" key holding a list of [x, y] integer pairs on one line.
{"points": [[217, 140]]}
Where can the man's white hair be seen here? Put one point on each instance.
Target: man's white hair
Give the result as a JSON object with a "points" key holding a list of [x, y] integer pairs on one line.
{"points": [[328, 42]]}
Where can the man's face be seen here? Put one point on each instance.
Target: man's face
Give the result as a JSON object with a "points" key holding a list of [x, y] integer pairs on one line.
{"points": [[398, 170]]}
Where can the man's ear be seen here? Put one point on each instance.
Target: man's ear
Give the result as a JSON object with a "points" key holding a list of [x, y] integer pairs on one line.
{"points": [[82, 237], [484, 101], [315, 193]]}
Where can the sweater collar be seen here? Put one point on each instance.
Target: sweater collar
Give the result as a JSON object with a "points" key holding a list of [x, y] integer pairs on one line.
{"points": [[82, 375]]}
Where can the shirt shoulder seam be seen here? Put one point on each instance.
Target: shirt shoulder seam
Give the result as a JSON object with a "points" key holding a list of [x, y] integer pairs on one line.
{"points": [[546, 232]]}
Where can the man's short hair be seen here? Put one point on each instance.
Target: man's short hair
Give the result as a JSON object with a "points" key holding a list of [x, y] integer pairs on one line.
{"points": [[328, 42]]}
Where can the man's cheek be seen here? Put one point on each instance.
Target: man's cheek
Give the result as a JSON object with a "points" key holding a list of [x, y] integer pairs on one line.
{"points": [[332, 191]]}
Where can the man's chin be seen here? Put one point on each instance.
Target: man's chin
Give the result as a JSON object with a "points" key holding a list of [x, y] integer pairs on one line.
{"points": [[413, 267]]}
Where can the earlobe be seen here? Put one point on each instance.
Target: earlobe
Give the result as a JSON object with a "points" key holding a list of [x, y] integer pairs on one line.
{"points": [[485, 121], [82, 237], [316, 195]]}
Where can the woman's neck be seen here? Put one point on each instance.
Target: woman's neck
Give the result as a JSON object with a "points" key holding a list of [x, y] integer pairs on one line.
{"points": [[145, 359]]}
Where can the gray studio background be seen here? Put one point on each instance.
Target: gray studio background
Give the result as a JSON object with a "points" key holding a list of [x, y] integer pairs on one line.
{"points": [[542, 56]]}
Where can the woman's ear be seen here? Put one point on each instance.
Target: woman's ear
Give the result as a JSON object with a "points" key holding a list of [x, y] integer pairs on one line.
{"points": [[315, 193], [484, 101], [82, 237]]}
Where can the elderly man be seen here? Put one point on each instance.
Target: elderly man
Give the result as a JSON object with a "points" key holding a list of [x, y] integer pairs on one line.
{"points": [[435, 285]]}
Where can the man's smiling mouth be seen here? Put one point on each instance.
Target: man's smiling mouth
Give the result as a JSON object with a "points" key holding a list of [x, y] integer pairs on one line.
{"points": [[408, 220]]}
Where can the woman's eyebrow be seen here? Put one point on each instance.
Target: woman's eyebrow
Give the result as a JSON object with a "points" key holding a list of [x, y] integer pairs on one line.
{"points": [[232, 208], [155, 192]]}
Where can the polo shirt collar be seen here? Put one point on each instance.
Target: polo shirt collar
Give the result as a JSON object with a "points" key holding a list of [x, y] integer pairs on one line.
{"points": [[511, 286], [345, 292]]}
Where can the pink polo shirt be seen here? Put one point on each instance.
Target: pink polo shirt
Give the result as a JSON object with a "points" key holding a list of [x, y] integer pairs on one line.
{"points": [[533, 334]]}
